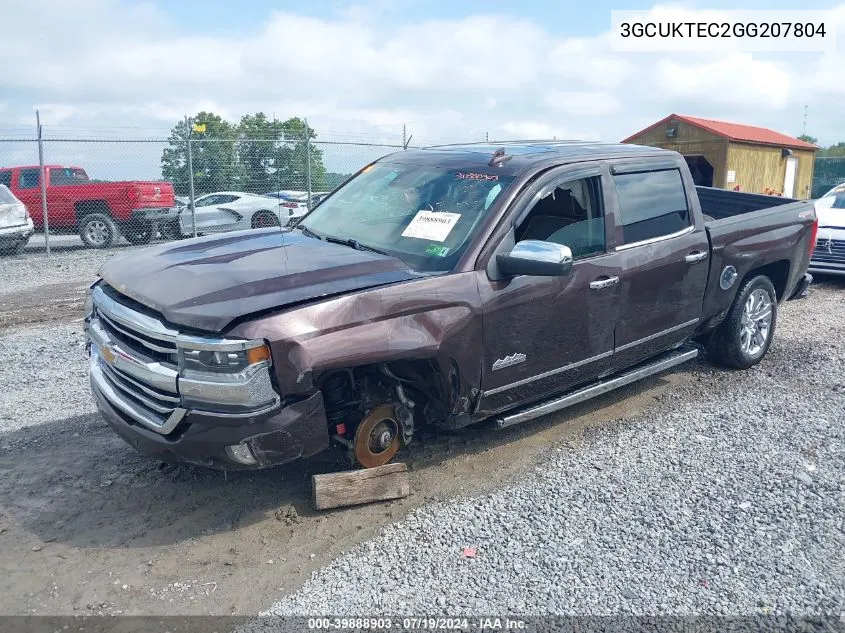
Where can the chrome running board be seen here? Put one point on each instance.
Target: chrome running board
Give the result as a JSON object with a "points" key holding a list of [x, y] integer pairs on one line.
{"points": [[663, 363]]}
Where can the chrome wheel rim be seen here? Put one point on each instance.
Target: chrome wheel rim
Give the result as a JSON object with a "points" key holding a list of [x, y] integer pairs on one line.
{"points": [[756, 324], [97, 232]]}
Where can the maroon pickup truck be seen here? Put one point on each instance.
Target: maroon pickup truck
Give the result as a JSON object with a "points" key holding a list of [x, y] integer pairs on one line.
{"points": [[443, 287], [99, 211]]}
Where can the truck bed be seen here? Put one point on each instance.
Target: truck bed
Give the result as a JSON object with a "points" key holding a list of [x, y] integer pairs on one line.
{"points": [[720, 204], [770, 231]]}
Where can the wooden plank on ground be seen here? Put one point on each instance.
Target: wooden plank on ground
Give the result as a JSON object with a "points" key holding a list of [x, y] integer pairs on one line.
{"points": [[354, 487]]}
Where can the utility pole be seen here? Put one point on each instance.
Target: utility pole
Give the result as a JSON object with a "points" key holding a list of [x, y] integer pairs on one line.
{"points": [[42, 178], [190, 175], [404, 136], [308, 160]]}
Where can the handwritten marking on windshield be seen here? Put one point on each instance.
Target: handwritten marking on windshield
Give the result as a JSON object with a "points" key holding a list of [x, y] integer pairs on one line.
{"points": [[461, 175]]}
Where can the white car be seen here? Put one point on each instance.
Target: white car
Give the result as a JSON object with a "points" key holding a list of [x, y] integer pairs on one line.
{"points": [[15, 224], [829, 255], [293, 203], [232, 211]]}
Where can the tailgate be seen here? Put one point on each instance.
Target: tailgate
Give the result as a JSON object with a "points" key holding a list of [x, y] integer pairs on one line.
{"points": [[152, 194]]}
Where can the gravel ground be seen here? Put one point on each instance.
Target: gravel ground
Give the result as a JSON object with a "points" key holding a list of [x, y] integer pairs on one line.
{"points": [[66, 264], [44, 376], [725, 497]]}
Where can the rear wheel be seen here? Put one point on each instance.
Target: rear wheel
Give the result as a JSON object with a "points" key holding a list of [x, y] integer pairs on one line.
{"points": [[745, 335], [264, 219], [98, 230]]}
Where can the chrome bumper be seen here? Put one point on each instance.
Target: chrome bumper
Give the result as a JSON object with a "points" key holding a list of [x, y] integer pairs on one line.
{"points": [[19, 231], [133, 366]]}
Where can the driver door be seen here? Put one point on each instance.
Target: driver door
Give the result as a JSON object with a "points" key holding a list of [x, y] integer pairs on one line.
{"points": [[547, 334]]}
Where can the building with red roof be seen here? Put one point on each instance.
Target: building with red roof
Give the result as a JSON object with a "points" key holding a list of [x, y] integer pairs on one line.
{"points": [[735, 156]]}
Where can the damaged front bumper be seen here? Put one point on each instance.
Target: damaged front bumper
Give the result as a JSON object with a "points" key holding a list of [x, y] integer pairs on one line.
{"points": [[296, 431]]}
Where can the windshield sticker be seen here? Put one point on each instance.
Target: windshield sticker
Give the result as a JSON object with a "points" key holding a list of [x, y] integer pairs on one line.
{"points": [[433, 226], [437, 250], [463, 175]]}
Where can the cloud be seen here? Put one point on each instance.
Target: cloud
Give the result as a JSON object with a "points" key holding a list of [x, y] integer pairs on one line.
{"points": [[107, 67], [734, 80]]}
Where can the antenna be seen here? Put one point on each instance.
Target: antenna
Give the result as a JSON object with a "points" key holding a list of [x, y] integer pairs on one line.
{"points": [[804, 129]]}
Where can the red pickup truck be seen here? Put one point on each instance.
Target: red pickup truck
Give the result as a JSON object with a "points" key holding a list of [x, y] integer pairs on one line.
{"points": [[99, 211]]}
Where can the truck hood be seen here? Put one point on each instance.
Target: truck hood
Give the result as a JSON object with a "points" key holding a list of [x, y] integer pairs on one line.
{"points": [[206, 283]]}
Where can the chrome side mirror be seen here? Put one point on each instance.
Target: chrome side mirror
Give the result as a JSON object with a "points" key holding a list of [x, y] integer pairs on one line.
{"points": [[535, 257]]}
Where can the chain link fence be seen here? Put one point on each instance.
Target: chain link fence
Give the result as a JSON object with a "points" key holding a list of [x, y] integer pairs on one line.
{"points": [[828, 172], [75, 193]]}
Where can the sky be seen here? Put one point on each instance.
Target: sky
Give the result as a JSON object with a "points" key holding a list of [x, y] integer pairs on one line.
{"points": [[449, 71]]}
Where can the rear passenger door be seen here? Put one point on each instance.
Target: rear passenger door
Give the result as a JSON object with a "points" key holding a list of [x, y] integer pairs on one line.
{"points": [[664, 254]]}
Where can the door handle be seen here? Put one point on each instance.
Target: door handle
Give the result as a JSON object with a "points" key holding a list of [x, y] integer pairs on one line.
{"points": [[604, 283], [695, 257]]}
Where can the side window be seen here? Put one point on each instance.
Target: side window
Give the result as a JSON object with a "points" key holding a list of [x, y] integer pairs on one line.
{"points": [[570, 214], [225, 198], [207, 201], [6, 178], [28, 178], [651, 204]]}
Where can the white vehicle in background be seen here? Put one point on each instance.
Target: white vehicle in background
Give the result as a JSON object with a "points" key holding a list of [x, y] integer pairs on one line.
{"points": [[15, 224], [829, 255], [224, 211], [294, 204]]}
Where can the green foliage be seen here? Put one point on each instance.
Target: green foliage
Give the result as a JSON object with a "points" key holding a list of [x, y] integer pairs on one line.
{"points": [[808, 139], [833, 150], [256, 155]]}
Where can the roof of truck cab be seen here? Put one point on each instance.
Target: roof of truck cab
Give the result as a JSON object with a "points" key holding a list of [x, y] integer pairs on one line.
{"points": [[524, 154]]}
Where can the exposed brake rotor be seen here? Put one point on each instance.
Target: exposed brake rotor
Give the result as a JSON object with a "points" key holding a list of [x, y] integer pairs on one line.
{"points": [[377, 437]]}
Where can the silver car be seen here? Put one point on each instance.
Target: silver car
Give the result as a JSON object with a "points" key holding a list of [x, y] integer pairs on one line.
{"points": [[231, 211], [829, 255], [15, 224]]}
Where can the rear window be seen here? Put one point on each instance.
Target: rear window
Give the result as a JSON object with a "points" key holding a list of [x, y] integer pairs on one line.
{"points": [[67, 176], [651, 204], [6, 178]]}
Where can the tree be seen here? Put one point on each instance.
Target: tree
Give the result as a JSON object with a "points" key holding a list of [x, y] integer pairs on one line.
{"points": [[256, 155], [293, 156], [213, 155], [258, 150], [833, 150], [808, 139]]}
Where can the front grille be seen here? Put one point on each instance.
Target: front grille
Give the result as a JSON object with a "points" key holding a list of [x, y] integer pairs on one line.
{"points": [[829, 251], [146, 346], [142, 369]]}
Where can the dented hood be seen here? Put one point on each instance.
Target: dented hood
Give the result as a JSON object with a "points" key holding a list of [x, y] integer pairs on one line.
{"points": [[207, 283]]}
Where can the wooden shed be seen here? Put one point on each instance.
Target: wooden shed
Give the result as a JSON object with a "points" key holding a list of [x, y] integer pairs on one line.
{"points": [[734, 156]]}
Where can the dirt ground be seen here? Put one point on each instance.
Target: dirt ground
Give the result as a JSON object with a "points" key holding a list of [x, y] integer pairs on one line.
{"points": [[88, 526]]}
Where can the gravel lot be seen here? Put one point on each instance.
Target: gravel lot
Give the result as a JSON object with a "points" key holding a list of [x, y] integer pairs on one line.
{"points": [[725, 497], [701, 491]]}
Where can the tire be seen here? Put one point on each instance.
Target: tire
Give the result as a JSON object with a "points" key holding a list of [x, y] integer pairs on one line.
{"points": [[98, 230], [139, 232], [742, 340], [264, 219], [171, 231]]}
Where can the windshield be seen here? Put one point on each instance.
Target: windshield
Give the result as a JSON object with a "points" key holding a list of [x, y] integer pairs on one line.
{"points": [[834, 200], [423, 215]]}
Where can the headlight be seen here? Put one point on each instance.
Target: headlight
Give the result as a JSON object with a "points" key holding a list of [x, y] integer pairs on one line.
{"points": [[223, 362], [226, 380]]}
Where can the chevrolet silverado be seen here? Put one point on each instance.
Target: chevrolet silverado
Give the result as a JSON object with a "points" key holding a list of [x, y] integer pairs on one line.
{"points": [[442, 286]]}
